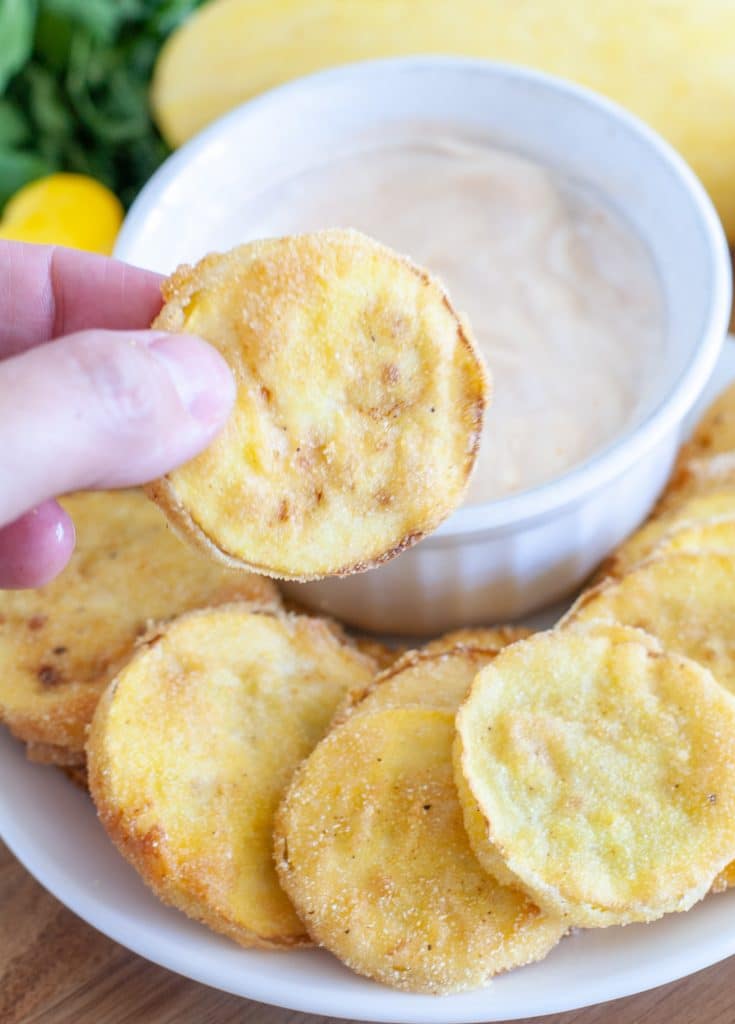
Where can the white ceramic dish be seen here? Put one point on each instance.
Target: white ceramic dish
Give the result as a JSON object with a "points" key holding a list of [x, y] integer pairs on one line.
{"points": [[504, 559], [51, 827]]}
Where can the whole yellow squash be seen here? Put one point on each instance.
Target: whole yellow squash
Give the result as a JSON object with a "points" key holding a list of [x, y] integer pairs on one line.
{"points": [[670, 61]]}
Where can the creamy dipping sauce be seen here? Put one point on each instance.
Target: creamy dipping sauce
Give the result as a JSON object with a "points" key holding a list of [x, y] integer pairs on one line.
{"points": [[562, 296]]}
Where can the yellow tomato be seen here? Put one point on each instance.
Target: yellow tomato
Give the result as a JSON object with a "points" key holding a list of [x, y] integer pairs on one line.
{"points": [[64, 209]]}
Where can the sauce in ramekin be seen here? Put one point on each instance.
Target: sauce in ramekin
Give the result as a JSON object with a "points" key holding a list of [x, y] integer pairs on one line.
{"points": [[562, 296]]}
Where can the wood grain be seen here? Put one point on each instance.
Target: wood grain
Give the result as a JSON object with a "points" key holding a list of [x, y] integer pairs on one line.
{"points": [[55, 969]]}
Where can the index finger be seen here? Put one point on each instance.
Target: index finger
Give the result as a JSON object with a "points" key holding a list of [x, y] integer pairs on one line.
{"points": [[47, 291]]}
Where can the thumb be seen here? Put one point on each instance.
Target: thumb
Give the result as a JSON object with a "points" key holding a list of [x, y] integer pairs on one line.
{"points": [[105, 409]]}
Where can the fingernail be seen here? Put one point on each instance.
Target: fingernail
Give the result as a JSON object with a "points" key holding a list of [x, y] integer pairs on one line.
{"points": [[202, 378]]}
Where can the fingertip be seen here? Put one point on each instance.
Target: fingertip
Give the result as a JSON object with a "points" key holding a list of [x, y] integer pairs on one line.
{"points": [[200, 375], [35, 547]]}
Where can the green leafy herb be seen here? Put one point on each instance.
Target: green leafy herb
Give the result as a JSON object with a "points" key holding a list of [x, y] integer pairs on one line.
{"points": [[17, 21], [74, 81]]}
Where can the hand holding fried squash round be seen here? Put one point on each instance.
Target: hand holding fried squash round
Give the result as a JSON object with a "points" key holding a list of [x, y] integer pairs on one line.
{"points": [[371, 848], [360, 399], [685, 599], [192, 746], [604, 770], [62, 644]]}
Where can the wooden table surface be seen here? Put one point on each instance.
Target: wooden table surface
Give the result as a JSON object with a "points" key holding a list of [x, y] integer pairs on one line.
{"points": [[55, 969]]}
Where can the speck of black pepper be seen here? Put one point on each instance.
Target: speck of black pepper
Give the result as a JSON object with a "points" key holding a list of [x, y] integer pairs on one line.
{"points": [[712, 798], [427, 807]]}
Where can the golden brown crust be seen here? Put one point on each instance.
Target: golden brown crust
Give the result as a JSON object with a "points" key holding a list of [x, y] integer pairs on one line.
{"points": [[246, 693], [483, 637], [602, 766], [715, 432], [382, 654], [700, 489], [335, 469], [49, 753], [436, 675], [76, 774], [370, 846]]}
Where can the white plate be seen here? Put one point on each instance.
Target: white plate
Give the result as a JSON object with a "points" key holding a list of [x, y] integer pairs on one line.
{"points": [[51, 827]]}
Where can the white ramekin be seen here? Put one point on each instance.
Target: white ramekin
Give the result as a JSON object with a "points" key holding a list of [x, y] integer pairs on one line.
{"points": [[504, 559]]}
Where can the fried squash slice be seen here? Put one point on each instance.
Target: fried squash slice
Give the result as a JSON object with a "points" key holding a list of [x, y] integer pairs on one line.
{"points": [[359, 409], [683, 598], [371, 848], [603, 769], [192, 747], [61, 645]]}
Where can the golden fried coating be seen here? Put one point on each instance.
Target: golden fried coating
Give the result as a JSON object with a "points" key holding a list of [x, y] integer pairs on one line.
{"points": [[77, 774], [371, 848], [359, 405], [684, 599], [437, 680], [725, 880], [48, 753], [700, 477], [699, 491], [490, 637], [604, 769], [715, 432], [716, 534], [191, 749], [382, 654], [60, 645]]}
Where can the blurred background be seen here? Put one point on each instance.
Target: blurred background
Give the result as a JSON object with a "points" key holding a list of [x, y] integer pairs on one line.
{"points": [[94, 94]]}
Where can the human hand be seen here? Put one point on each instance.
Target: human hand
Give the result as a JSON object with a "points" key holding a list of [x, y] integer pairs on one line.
{"points": [[89, 398]]}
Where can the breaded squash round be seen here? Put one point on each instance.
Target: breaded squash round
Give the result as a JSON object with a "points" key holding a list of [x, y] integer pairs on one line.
{"points": [[60, 645], [685, 599], [604, 771], [371, 848], [360, 399], [191, 749]]}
